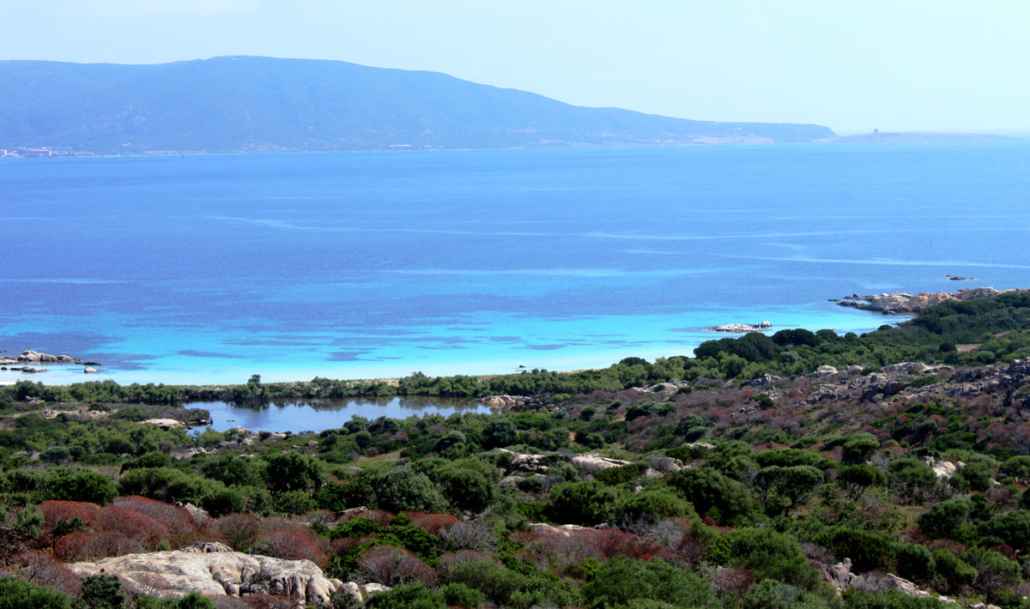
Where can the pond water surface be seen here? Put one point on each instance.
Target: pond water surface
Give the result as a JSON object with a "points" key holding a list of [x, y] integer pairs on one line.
{"points": [[297, 417]]}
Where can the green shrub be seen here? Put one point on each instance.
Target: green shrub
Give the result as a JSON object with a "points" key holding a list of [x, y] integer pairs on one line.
{"points": [[402, 489], [857, 478], [16, 594], [974, 476], [292, 472], [586, 503], [407, 596], [1017, 468], [868, 550], [507, 587], [235, 470], [76, 484], [166, 484], [621, 475], [651, 506], [858, 448], [770, 555], [854, 599], [294, 502], [994, 572], [911, 479], [945, 519], [770, 594], [953, 575], [460, 595], [914, 562], [621, 581], [790, 457], [102, 592], [784, 487], [190, 601], [224, 501], [714, 495], [1012, 528], [468, 484]]}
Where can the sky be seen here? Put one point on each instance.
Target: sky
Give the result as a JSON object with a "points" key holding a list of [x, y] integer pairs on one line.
{"points": [[911, 65]]}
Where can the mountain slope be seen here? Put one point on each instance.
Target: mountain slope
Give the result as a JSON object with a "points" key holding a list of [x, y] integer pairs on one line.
{"points": [[241, 103]]}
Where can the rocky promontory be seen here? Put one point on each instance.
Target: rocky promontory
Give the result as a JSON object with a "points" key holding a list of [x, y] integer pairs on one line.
{"points": [[906, 303]]}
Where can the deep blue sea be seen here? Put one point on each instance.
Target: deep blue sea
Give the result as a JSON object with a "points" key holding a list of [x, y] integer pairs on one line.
{"points": [[212, 268]]}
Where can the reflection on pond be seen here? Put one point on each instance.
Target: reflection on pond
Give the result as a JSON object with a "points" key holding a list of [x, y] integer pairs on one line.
{"points": [[331, 414]]}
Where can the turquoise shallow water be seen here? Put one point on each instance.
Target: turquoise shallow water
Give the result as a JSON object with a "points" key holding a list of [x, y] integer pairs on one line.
{"points": [[210, 269]]}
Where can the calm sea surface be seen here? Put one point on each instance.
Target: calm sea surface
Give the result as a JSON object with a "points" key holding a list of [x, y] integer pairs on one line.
{"points": [[212, 268]]}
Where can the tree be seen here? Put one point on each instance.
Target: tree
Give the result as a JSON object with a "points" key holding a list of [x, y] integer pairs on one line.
{"points": [[783, 488], [858, 448], [857, 478]]}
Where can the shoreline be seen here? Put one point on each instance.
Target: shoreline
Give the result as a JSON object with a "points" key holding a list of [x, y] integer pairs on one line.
{"points": [[62, 376]]}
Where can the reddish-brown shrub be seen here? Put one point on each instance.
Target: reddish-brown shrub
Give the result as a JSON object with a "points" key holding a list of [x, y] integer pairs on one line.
{"points": [[228, 602], [176, 519], [41, 569], [133, 525], [267, 601], [393, 566], [613, 542], [431, 523], [55, 512], [239, 530], [451, 560], [552, 551], [732, 581], [377, 516], [471, 535], [92, 546], [283, 539]]}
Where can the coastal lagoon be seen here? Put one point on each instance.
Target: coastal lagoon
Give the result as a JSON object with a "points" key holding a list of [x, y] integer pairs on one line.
{"points": [[210, 268], [298, 417]]}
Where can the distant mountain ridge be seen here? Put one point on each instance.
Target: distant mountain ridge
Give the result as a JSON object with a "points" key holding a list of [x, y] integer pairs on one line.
{"points": [[258, 103]]}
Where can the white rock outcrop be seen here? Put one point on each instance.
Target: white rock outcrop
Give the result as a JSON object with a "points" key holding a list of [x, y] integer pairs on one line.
{"points": [[944, 470], [596, 463], [164, 423], [214, 569], [842, 579]]}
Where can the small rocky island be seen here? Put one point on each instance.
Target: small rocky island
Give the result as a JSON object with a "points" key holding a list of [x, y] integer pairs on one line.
{"points": [[28, 362], [743, 328]]}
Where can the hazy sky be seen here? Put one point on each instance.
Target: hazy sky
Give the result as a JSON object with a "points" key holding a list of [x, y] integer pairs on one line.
{"points": [[855, 65]]}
